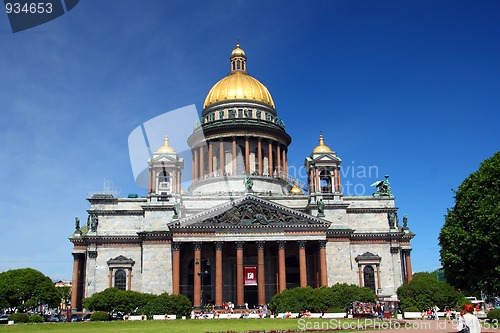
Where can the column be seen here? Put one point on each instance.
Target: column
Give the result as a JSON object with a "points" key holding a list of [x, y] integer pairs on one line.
{"points": [[75, 283], [259, 155], [179, 179], [196, 277], [379, 283], [270, 157], [247, 155], [284, 161], [153, 181], [150, 185], [202, 163], [240, 291], [218, 274], [222, 163], [234, 172], [210, 159], [409, 273], [261, 282], [302, 263], [322, 263], [360, 273], [281, 265], [195, 164], [129, 279], [278, 158], [337, 179], [316, 180], [110, 278], [176, 267], [311, 181]]}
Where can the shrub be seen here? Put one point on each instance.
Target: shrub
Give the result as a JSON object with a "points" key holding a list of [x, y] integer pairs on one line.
{"points": [[179, 305], [36, 319], [99, 316], [494, 315], [411, 309], [19, 317]]}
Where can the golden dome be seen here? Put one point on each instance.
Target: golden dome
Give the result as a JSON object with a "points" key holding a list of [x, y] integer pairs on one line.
{"points": [[295, 189], [322, 148], [238, 85], [166, 147]]}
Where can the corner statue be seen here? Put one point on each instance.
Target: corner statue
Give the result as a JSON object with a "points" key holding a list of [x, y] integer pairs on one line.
{"points": [[321, 208], [383, 188], [77, 223]]}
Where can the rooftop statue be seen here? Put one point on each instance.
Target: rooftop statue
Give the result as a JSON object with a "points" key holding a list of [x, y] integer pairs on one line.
{"points": [[321, 208], [405, 222], [77, 223], [383, 188], [248, 183]]}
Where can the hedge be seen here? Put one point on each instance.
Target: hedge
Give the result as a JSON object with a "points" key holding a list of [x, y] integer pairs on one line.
{"points": [[494, 315], [36, 319], [19, 317], [99, 316]]}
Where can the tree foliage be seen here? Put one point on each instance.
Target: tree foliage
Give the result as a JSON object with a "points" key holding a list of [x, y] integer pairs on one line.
{"points": [[179, 305], [470, 250], [115, 300], [338, 296], [425, 291], [26, 289]]}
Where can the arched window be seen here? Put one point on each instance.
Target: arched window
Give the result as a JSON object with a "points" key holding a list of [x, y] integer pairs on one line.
{"points": [[369, 277], [120, 279], [325, 180], [165, 177]]}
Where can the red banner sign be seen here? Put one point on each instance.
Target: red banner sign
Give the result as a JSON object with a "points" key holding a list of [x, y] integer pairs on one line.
{"points": [[250, 275]]}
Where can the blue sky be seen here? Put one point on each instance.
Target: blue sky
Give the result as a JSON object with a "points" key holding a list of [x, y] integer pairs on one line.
{"points": [[409, 88]]}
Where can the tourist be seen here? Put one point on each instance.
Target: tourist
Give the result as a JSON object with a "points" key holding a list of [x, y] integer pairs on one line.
{"points": [[469, 319]]}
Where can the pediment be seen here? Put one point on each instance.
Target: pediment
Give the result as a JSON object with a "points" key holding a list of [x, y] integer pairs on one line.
{"points": [[250, 212], [327, 158], [172, 158]]}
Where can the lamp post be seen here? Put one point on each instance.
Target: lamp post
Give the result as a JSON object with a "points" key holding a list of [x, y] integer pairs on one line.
{"points": [[202, 273]]}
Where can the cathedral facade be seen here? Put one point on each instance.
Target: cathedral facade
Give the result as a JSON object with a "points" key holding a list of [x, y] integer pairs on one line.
{"points": [[245, 229]]}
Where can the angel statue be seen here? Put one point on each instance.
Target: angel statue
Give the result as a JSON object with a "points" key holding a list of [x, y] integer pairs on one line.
{"points": [[383, 188]]}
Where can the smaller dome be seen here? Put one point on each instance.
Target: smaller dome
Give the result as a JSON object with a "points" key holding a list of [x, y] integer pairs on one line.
{"points": [[166, 147], [238, 52], [322, 148], [295, 189]]}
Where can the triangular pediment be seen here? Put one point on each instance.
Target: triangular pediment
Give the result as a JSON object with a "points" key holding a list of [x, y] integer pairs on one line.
{"points": [[326, 158], [170, 158], [250, 212]]}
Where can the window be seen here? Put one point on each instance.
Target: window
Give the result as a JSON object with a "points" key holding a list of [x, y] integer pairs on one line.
{"points": [[257, 114], [121, 279], [211, 117], [369, 277], [221, 114]]}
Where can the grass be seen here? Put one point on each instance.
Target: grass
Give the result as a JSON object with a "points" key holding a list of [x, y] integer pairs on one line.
{"points": [[178, 326]]}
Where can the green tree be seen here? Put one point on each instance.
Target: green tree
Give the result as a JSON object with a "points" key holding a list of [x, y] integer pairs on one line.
{"points": [[116, 300], [179, 305], [26, 289], [424, 291], [470, 250]]}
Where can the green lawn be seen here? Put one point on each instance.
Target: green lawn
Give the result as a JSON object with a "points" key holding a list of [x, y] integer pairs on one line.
{"points": [[187, 326]]}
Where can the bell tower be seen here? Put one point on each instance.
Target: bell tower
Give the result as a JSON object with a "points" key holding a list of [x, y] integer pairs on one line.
{"points": [[165, 172], [323, 173]]}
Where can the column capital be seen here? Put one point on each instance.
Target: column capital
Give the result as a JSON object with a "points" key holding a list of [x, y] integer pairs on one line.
{"points": [[281, 244], [260, 245], [322, 244], [176, 246], [239, 245], [302, 244], [92, 254], [218, 246], [197, 246], [394, 249], [77, 256], [406, 251]]}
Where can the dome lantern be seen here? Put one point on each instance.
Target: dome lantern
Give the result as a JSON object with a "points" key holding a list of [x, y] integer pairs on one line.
{"points": [[166, 148], [238, 59]]}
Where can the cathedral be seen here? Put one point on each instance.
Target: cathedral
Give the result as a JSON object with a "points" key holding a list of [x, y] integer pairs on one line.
{"points": [[245, 229]]}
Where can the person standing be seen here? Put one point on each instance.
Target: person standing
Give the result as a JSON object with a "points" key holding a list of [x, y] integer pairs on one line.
{"points": [[469, 319]]}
